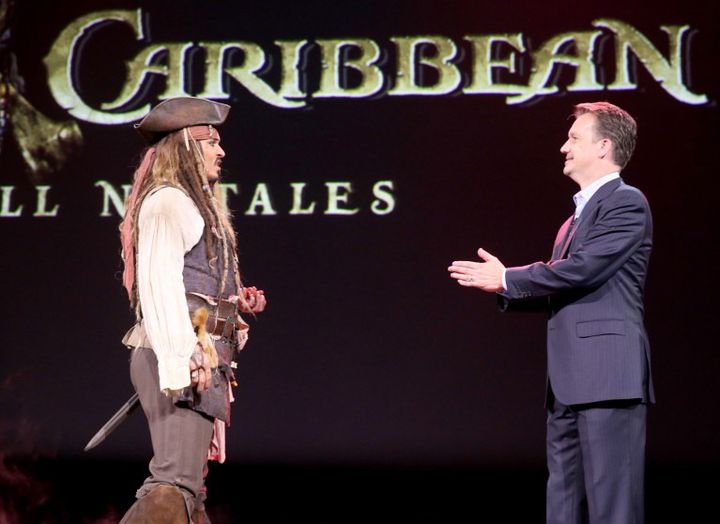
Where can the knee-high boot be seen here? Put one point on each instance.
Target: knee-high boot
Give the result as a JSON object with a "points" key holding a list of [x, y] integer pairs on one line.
{"points": [[163, 505]]}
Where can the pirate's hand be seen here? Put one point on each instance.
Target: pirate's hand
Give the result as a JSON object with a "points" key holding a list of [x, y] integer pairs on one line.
{"points": [[200, 374], [255, 299], [252, 300]]}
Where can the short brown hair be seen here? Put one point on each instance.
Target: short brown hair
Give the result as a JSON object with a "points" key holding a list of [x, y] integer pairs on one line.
{"points": [[616, 125]]}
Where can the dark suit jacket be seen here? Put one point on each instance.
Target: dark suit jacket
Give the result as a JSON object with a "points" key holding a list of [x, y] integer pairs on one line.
{"points": [[597, 345]]}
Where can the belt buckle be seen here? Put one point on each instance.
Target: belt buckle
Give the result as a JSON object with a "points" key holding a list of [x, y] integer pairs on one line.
{"points": [[227, 311]]}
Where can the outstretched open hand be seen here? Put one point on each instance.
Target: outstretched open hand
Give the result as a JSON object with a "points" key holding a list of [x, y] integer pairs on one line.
{"points": [[486, 275]]}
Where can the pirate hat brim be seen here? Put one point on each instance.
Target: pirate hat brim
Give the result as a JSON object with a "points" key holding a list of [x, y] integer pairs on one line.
{"points": [[175, 113]]}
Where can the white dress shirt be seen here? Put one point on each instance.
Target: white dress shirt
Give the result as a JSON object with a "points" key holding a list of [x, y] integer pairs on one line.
{"points": [[583, 196]]}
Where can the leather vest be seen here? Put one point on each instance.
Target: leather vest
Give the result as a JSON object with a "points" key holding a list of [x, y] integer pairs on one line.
{"points": [[202, 279]]}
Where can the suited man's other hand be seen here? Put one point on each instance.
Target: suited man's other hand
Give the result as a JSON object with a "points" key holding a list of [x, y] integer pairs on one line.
{"points": [[486, 275]]}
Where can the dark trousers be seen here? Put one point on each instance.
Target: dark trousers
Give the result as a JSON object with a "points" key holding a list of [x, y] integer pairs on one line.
{"points": [[596, 462]]}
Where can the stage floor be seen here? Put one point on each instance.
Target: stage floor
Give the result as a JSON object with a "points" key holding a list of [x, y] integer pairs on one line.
{"points": [[65, 491]]}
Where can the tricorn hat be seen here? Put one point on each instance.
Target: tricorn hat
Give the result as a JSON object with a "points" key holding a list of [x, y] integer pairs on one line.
{"points": [[175, 113]]}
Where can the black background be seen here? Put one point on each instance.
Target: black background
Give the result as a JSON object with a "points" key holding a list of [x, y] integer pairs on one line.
{"points": [[368, 355]]}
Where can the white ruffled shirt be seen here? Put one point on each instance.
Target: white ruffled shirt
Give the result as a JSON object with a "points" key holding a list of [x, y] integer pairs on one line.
{"points": [[169, 226]]}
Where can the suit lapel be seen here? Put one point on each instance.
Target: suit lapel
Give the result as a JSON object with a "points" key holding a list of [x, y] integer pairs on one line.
{"points": [[600, 195], [561, 249]]}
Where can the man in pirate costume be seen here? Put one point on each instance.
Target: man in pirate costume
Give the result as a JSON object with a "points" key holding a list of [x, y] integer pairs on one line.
{"points": [[182, 277]]}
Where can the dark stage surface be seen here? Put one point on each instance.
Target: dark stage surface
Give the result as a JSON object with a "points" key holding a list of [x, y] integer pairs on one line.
{"points": [[96, 492], [369, 145]]}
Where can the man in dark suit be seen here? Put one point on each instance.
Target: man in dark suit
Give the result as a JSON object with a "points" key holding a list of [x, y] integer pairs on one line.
{"points": [[599, 380]]}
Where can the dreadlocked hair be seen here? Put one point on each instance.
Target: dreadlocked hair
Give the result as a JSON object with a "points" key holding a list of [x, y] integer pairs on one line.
{"points": [[174, 165]]}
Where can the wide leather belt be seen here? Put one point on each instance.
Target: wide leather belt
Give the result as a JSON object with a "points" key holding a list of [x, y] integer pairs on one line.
{"points": [[222, 317]]}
